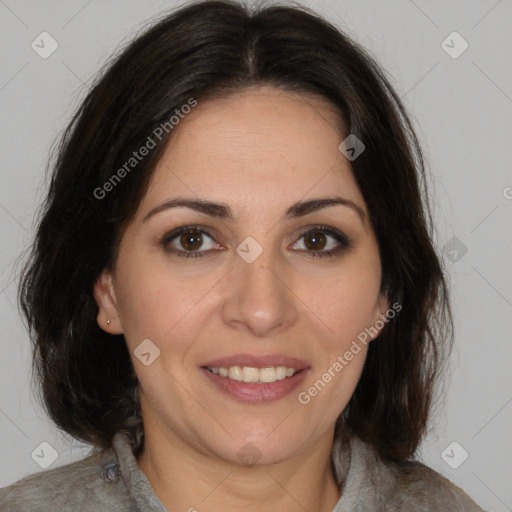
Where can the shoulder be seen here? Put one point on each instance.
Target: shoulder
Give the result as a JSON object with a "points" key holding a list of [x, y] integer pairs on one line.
{"points": [[92, 483], [413, 486]]}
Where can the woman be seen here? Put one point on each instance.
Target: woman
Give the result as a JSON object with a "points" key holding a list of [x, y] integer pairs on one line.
{"points": [[233, 293]]}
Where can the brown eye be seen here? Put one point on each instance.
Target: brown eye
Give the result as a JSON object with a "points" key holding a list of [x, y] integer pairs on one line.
{"points": [[315, 240], [191, 241], [322, 241]]}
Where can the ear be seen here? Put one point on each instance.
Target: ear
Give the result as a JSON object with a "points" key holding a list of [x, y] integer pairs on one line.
{"points": [[105, 297], [379, 318]]}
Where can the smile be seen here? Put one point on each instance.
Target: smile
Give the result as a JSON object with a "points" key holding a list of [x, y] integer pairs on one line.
{"points": [[250, 374]]}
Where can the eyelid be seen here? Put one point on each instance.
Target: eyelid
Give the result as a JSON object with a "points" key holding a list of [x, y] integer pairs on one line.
{"points": [[331, 230], [342, 240], [193, 228]]}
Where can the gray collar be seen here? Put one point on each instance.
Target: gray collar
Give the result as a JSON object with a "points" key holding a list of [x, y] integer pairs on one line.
{"points": [[352, 463], [136, 482]]}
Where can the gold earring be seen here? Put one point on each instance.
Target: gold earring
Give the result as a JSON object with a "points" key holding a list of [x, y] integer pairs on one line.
{"points": [[108, 320]]}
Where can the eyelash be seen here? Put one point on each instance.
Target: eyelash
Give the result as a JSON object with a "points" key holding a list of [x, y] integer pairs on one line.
{"points": [[169, 237]]}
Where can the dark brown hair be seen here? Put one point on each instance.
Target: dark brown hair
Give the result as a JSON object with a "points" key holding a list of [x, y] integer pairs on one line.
{"points": [[212, 49]]}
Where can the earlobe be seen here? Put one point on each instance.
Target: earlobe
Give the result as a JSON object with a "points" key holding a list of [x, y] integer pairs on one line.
{"points": [[383, 304], [380, 318], [105, 297]]}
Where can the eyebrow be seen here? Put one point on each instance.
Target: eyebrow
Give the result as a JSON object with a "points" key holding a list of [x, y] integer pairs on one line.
{"points": [[223, 211]]}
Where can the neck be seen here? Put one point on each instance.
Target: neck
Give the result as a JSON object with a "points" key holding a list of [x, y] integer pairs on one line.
{"points": [[186, 479]]}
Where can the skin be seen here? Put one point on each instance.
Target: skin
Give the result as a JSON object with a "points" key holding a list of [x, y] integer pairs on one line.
{"points": [[259, 152]]}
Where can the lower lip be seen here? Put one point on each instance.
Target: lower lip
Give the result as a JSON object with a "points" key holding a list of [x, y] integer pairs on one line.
{"points": [[253, 392]]}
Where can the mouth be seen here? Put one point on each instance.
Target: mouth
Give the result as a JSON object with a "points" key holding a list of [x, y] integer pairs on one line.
{"points": [[251, 374], [255, 379]]}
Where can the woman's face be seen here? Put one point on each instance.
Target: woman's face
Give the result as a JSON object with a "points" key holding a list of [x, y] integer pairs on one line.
{"points": [[277, 278]]}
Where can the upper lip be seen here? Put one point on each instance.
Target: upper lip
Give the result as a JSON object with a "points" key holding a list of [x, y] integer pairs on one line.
{"points": [[254, 361]]}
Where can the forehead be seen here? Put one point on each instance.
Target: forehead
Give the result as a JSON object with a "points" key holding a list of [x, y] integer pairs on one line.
{"points": [[261, 146]]}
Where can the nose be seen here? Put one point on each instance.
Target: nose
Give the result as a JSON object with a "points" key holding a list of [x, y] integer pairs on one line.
{"points": [[259, 300]]}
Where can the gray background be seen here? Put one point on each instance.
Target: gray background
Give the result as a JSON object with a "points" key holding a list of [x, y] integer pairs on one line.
{"points": [[462, 109]]}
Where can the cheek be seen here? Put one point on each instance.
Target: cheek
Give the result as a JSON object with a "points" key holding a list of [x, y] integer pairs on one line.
{"points": [[162, 306], [346, 304], [330, 389], [145, 301]]}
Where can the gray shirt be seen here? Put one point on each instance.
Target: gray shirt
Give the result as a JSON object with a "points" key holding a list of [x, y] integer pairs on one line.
{"points": [[112, 481]]}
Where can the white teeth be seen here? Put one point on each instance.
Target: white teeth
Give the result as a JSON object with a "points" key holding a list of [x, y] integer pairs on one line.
{"points": [[250, 374], [268, 374], [235, 373], [281, 372]]}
